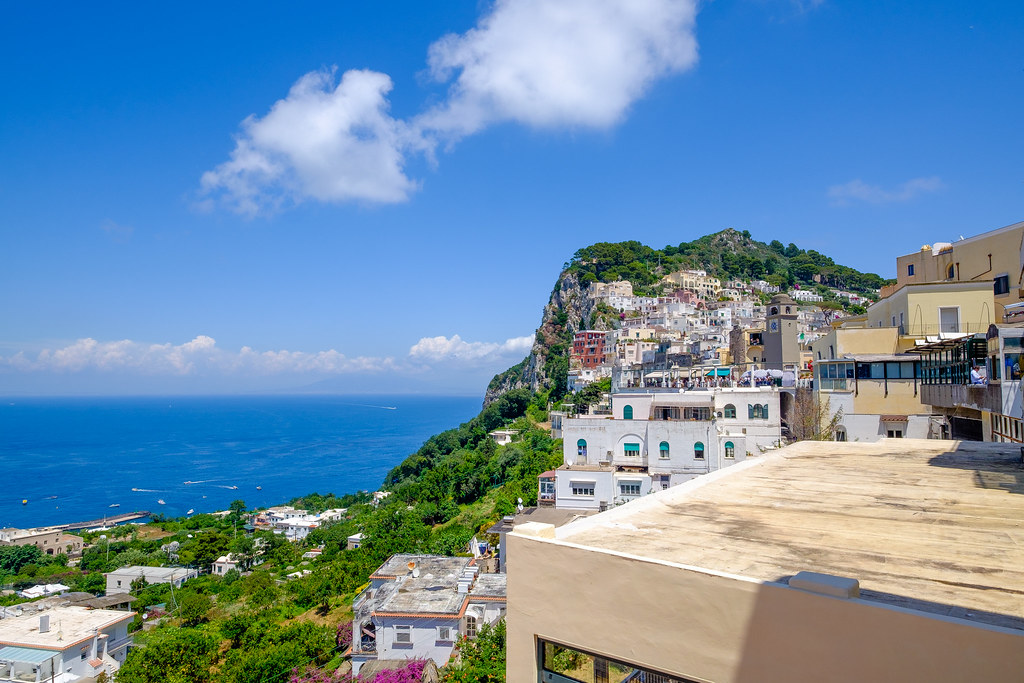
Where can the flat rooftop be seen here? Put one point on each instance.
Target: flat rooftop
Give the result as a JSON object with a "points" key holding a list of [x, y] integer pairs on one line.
{"points": [[931, 525], [68, 626]]}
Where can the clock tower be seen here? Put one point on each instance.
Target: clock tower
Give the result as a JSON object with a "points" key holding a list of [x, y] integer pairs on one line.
{"points": [[781, 350]]}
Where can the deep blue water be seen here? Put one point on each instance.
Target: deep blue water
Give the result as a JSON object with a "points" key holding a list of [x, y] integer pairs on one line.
{"points": [[91, 452]]}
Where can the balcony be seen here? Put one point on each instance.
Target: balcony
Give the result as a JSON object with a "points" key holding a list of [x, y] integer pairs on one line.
{"points": [[974, 396]]}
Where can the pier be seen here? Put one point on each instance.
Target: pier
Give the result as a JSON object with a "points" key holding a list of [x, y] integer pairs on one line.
{"points": [[106, 521]]}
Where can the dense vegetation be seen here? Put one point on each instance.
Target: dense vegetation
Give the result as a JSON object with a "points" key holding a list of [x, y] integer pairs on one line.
{"points": [[728, 255]]}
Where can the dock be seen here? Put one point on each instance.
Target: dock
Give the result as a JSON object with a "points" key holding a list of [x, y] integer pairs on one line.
{"points": [[106, 521]]}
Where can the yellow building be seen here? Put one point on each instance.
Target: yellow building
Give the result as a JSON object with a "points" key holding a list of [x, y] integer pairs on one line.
{"points": [[932, 308], [818, 562], [696, 281], [993, 257], [869, 369]]}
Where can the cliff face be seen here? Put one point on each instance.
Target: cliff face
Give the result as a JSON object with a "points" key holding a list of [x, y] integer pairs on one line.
{"points": [[569, 309]]}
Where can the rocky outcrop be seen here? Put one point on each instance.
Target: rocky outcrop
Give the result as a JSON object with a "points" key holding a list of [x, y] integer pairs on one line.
{"points": [[569, 309]]}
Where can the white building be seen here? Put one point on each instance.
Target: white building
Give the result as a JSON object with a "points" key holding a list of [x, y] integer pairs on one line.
{"points": [[656, 440], [418, 606], [805, 295], [63, 644], [226, 563], [120, 580]]}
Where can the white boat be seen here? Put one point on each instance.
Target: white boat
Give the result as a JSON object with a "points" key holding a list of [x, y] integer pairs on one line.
{"points": [[190, 511], [161, 501], [115, 505]]}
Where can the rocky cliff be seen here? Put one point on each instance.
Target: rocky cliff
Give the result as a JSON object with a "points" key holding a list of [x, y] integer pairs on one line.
{"points": [[569, 309]]}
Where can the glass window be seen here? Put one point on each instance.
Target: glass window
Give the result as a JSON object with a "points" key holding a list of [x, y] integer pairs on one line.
{"points": [[663, 449], [581, 447], [631, 449], [1012, 366], [910, 270], [698, 450], [582, 488], [730, 449], [755, 411], [892, 370], [730, 410], [470, 627], [629, 488], [403, 634], [1001, 285], [627, 413]]}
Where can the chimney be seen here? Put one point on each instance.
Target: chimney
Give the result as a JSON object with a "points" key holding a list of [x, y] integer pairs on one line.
{"points": [[44, 623]]}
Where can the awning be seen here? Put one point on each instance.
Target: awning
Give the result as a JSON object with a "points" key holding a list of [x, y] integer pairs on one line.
{"points": [[894, 418], [721, 372], [26, 655]]}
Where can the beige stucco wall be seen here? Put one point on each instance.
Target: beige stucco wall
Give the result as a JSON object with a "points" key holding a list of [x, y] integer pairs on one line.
{"points": [[857, 341], [982, 257], [920, 308], [711, 627], [871, 399]]}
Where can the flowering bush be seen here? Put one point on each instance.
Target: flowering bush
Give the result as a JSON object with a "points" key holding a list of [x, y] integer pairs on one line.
{"points": [[344, 637], [412, 672]]}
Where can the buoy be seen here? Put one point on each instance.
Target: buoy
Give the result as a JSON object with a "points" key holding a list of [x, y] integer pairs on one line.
{"points": [[24, 501]]}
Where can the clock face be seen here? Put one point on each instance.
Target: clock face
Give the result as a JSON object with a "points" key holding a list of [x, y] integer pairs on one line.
{"points": [[775, 326]]}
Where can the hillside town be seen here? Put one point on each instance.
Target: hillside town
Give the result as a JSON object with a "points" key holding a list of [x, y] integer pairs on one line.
{"points": [[793, 478]]}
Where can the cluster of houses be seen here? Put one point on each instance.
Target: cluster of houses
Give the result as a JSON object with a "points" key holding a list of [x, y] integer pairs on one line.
{"points": [[698, 330]]}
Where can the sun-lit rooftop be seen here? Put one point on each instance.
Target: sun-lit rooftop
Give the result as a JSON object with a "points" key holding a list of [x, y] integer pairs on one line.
{"points": [[931, 525]]}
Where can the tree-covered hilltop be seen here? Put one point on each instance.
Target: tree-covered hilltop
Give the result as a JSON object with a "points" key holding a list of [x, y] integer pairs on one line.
{"points": [[727, 255]]}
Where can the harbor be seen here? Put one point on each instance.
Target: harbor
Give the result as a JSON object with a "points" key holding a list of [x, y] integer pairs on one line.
{"points": [[105, 521]]}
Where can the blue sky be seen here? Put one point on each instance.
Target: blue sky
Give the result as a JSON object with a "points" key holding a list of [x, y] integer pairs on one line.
{"points": [[379, 196]]}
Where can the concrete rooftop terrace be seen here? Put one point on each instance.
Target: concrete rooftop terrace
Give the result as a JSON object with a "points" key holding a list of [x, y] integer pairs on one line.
{"points": [[68, 627], [936, 526]]}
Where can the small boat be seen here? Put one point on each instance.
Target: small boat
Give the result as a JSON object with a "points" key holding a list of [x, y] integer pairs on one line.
{"points": [[259, 488], [135, 489], [233, 488], [190, 511], [115, 505], [161, 501], [24, 501]]}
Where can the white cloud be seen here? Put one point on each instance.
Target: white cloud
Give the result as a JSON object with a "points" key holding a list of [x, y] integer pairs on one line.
{"points": [[551, 63], [540, 63], [325, 141], [200, 356], [433, 349], [859, 191]]}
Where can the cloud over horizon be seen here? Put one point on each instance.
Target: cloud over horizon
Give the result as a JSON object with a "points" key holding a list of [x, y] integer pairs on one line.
{"points": [[540, 63], [435, 349], [201, 355], [859, 191]]}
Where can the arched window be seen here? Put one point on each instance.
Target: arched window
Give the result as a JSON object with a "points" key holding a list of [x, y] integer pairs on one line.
{"points": [[840, 434], [627, 413], [755, 411], [698, 450], [729, 411], [774, 311], [663, 449], [764, 411], [581, 447], [730, 449]]}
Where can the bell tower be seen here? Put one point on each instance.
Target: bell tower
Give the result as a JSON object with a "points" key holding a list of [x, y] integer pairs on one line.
{"points": [[781, 350]]}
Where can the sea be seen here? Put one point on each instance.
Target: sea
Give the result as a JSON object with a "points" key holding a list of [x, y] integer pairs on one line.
{"points": [[65, 460]]}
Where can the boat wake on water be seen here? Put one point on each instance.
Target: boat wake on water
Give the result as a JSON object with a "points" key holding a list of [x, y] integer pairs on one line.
{"points": [[145, 490]]}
